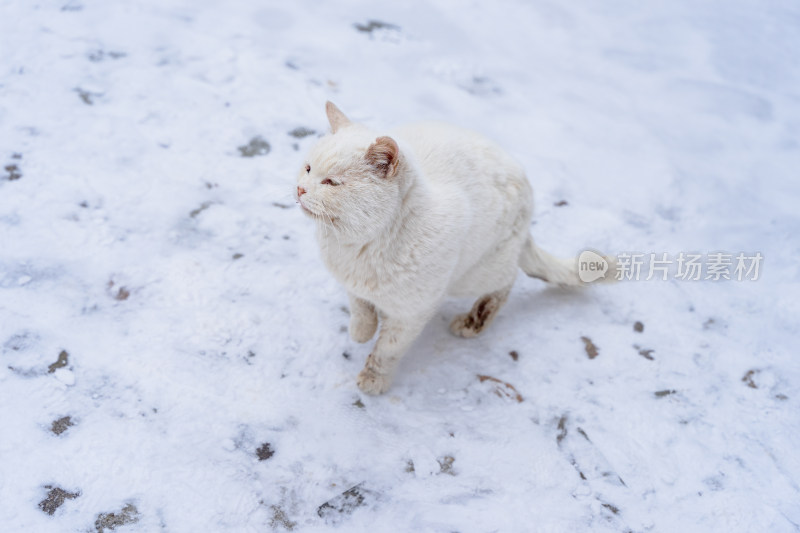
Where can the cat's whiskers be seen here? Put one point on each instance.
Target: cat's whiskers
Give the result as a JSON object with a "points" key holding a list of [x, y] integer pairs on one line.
{"points": [[326, 230], [333, 228], [319, 215], [321, 223]]}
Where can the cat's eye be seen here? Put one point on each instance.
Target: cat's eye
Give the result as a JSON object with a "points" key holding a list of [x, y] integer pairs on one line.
{"points": [[328, 181], [308, 169]]}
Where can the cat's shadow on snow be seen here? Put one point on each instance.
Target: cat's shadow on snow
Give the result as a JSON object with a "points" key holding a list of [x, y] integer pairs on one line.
{"points": [[526, 308]]}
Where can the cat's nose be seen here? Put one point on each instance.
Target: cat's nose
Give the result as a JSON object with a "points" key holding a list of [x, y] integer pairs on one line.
{"points": [[300, 191]]}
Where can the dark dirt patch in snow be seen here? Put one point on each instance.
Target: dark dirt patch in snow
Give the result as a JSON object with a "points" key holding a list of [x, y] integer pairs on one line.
{"points": [[265, 451], [63, 360], [613, 508], [256, 147], [446, 465], [56, 497], [87, 97], [96, 56], [122, 294], [591, 348], [344, 504], [638, 327], [110, 521], [205, 205], [748, 378], [644, 352], [502, 389], [300, 132], [279, 518], [14, 173], [562, 429], [665, 392], [61, 425], [373, 25]]}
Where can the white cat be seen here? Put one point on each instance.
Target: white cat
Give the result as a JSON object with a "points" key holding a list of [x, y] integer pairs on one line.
{"points": [[406, 220]]}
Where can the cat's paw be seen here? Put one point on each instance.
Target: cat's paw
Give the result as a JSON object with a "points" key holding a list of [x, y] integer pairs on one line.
{"points": [[363, 327], [371, 382], [463, 325]]}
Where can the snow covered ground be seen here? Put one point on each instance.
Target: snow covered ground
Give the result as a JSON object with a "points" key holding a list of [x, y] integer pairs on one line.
{"points": [[175, 356]]}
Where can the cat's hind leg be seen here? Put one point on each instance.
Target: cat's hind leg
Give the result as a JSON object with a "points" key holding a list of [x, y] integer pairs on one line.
{"points": [[484, 310], [363, 319]]}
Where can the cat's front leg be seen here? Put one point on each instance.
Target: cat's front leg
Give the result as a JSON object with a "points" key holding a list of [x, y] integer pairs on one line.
{"points": [[395, 338], [363, 319]]}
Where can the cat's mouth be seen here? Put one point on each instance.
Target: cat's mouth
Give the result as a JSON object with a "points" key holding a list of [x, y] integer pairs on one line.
{"points": [[314, 214], [306, 210]]}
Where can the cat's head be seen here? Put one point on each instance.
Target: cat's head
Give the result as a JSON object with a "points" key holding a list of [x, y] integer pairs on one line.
{"points": [[351, 181]]}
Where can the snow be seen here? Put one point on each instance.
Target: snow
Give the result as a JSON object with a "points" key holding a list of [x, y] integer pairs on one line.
{"points": [[198, 323]]}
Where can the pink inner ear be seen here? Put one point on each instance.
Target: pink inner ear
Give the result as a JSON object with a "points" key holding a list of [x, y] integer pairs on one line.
{"points": [[382, 154]]}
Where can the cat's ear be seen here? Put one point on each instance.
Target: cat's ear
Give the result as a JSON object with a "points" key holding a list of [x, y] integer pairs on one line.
{"points": [[384, 155], [335, 116]]}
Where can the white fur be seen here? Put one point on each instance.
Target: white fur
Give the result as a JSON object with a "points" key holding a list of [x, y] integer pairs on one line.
{"points": [[447, 214]]}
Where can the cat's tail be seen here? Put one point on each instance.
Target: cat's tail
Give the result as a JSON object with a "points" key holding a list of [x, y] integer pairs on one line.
{"points": [[537, 263]]}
